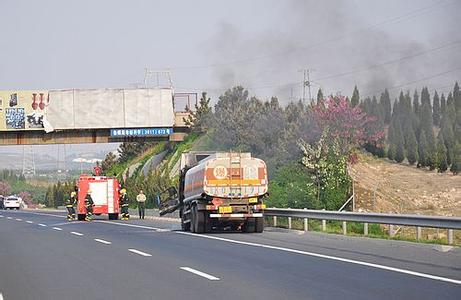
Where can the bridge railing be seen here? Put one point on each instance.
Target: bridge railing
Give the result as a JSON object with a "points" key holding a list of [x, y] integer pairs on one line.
{"points": [[419, 221]]}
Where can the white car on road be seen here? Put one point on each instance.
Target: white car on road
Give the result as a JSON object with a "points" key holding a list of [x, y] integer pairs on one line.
{"points": [[12, 202]]}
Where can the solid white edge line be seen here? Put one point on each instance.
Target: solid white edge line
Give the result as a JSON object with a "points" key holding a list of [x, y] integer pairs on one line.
{"points": [[1, 296], [76, 233], [140, 252], [199, 273], [103, 241], [357, 262], [30, 222], [57, 228], [346, 260], [43, 225]]}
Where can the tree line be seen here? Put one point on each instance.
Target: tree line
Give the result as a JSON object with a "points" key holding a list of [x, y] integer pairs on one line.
{"points": [[422, 129]]}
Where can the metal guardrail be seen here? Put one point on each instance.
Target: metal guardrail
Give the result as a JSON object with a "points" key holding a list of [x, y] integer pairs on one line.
{"points": [[418, 221], [394, 219]]}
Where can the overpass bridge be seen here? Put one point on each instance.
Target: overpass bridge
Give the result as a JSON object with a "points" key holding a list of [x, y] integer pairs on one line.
{"points": [[75, 116]]}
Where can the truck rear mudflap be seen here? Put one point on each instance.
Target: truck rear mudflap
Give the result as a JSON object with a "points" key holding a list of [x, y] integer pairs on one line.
{"points": [[253, 215]]}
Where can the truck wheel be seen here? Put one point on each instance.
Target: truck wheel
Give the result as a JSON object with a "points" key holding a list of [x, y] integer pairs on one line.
{"points": [[81, 217], [113, 216], [200, 222], [259, 225], [184, 226], [249, 225]]}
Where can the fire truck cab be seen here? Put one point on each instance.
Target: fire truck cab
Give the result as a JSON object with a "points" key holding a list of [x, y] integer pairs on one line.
{"points": [[105, 194]]}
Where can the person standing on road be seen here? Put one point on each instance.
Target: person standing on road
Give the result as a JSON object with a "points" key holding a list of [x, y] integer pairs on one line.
{"points": [[89, 203], [70, 203], [124, 203], [141, 199]]}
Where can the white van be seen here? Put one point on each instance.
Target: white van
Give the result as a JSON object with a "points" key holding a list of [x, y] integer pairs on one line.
{"points": [[12, 202]]}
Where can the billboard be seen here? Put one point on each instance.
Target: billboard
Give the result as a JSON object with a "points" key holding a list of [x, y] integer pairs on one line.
{"points": [[109, 108], [22, 110], [86, 109]]}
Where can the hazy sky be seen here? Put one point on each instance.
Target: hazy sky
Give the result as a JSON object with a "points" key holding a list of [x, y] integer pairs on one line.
{"points": [[211, 45]]}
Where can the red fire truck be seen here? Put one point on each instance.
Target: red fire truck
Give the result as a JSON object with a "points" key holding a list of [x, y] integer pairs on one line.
{"points": [[105, 194]]}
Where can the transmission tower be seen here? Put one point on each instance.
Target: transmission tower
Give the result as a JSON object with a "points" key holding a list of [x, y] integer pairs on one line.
{"points": [[28, 161], [306, 83]]}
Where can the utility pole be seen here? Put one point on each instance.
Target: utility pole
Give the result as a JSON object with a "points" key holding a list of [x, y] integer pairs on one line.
{"points": [[306, 83]]}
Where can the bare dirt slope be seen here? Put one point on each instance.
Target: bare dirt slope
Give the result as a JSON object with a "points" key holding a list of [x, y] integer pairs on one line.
{"points": [[388, 187]]}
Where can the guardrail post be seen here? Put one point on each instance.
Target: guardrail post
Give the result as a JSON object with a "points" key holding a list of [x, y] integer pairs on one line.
{"points": [[418, 233], [289, 222], [450, 236], [324, 225], [365, 229], [391, 230], [306, 223], [344, 228], [274, 218]]}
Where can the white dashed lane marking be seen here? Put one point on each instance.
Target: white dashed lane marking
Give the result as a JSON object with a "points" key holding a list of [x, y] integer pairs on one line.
{"points": [[30, 222], [103, 241], [57, 228], [139, 252], [9, 218], [18, 219], [76, 233], [43, 225], [200, 273]]}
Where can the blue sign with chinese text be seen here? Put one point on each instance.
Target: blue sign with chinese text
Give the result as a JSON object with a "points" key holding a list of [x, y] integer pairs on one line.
{"points": [[140, 132]]}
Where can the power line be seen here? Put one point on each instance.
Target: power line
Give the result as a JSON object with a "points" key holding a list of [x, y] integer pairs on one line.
{"points": [[396, 19], [415, 81], [443, 46], [391, 61]]}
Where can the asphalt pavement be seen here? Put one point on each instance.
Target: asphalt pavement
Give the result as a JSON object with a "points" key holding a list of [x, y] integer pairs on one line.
{"points": [[42, 256]]}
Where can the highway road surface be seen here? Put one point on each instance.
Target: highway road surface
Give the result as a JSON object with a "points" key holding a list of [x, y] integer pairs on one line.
{"points": [[44, 257]]}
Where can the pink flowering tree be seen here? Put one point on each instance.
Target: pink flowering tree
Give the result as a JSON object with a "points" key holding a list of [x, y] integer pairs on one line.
{"points": [[348, 126], [5, 188]]}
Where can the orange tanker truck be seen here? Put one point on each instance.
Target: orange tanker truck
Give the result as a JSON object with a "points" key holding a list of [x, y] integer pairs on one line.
{"points": [[219, 190]]}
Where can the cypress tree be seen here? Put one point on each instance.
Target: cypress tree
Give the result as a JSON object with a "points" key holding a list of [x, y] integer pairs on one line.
{"points": [[407, 104], [449, 138], [443, 103], [355, 97], [411, 146], [416, 102], [319, 96], [441, 155], [457, 97], [436, 110], [422, 150], [385, 102], [399, 145], [431, 159], [456, 165], [425, 115], [390, 142]]}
